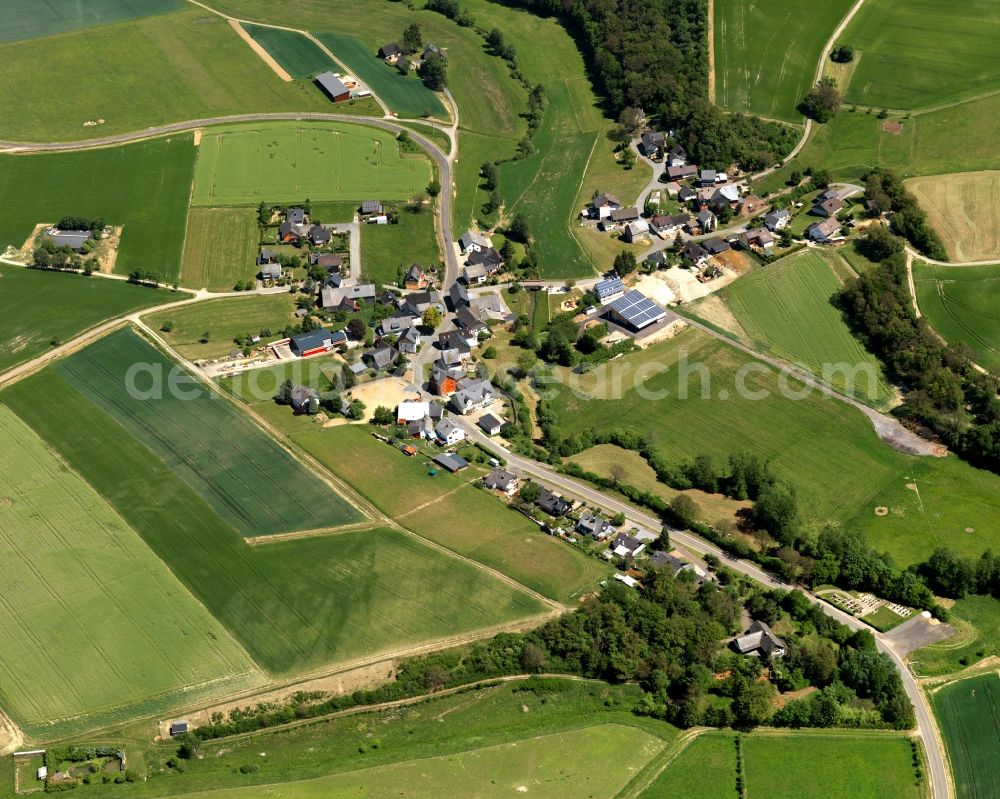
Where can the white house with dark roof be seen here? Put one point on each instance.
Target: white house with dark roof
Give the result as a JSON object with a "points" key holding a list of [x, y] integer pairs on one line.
{"points": [[448, 432], [473, 394], [490, 424], [501, 480], [470, 241], [777, 220]]}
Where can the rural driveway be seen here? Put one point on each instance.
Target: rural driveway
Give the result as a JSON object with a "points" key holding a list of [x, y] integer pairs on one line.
{"points": [[926, 726]]}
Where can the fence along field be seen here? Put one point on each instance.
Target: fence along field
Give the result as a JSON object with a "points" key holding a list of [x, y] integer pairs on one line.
{"points": [[289, 162], [766, 52], [30, 19], [143, 187], [969, 714], [92, 621], [62, 306], [251, 481], [294, 605]]}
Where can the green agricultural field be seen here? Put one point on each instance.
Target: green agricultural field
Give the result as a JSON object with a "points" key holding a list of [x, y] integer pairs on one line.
{"points": [[404, 94], [260, 385], [83, 595], [30, 19], [252, 482], [785, 309], [705, 769], [143, 187], [961, 303], [388, 250], [976, 619], [300, 57], [224, 320], [289, 162], [61, 306], [475, 524], [969, 715], [561, 765], [920, 53], [766, 53], [294, 605], [209, 69], [220, 249], [818, 766]]}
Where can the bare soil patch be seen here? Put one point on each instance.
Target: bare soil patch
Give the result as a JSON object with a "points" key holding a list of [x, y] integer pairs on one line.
{"points": [[715, 311], [260, 51]]}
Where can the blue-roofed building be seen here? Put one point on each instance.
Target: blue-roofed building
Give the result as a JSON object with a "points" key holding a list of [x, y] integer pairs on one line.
{"points": [[635, 311], [609, 289]]}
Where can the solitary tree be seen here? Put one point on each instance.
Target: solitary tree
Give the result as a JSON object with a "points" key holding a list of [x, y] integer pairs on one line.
{"points": [[412, 40], [356, 329], [434, 72], [520, 230], [625, 263], [823, 100], [530, 492], [383, 415], [842, 53], [432, 318]]}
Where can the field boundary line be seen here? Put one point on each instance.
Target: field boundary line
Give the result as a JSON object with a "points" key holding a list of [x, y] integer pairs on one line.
{"points": [[317, 532], [258, 48], [666, 756]]}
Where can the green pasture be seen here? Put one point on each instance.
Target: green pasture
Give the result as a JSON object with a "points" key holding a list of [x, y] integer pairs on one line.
{"points": [[291, 162], [224, 320], [260, 385], [785, 309], [404, 94], [38, 308], [922, 53], [968, 712], [388, 250], [295, 605], [142, 187], [220, 248], [188, 65], [766, 53], [561, 765], [83, 595], [976, 620], [32, 19], [704, 769], [448, 511], [961, 303], [250, 481], [300, 57]]}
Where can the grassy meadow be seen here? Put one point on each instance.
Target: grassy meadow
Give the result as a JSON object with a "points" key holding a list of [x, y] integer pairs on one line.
{"points": [[766, 53], [967, 712], [960, 303], [964, 209], [404, 94], [475, 524], [704, 769], [220, 248], [251, 481], [289, 162], [260, 385], [31, 19], [298, 56], [785, 309], [976, 619], [224, 320], [83, 595], [294, 605], [61, 306], [143, 187], [388, 250], [208, 68], [921, 53]]}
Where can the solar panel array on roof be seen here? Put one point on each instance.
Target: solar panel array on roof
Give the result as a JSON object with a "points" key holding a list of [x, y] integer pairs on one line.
{"points": [[608, 287], [637, 309]]}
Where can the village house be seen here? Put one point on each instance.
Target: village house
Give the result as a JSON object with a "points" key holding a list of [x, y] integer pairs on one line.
{"points": [[294, 225], [331, 298], [415, 278], [454, 339], [270, 271], [777, 220], [448, 432], [624, 545], [623, 216], [636, 231], [472, 394], [390, 52], [677, 156], [608, 290], [656, 260], [319, 236], [759, 641], [695, 254], [409, 342], [827, 204], [330, 261], [371, 208], [501, 480], [707, 178], [825, 231], [686, 194], [488, 258], [667, 226], [419, 301], [553, 504], [490, 424], [715, 246], [395, 325], [594, 525], [675, 565], [653, 144], [681, 172], [304, 400], [707, 221], [444, 380], [470, 324], [723, 196], [470, 241], [603, 204], [382, 357]]}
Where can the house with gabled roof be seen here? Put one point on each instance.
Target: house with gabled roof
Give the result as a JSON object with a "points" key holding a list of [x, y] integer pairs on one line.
{"points": [[472, 394], [777, 220], [594, 525], [371, 208], [490, 424], [824, 231], [501, 480], [448, 432], [471, 240], [759, 641], [827, 208], [553, 504], [415, 278], [409, 341], [695, 254], [677, 156], [603, 204], [390, 52], [608, 290], [653, 143], [624, 545], [681, 172]]}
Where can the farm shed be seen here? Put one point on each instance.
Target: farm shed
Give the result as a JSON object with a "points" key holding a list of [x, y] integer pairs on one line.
{"points": [[451, 462], [332, 87]]}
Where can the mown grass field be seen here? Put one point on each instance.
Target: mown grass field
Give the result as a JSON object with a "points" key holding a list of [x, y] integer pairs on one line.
{"points": [[143, 187], [919, 53], [766, 53], [446, 510], [964, 209], [37, 308], [967, 711], [960, 303], [785, 309], [209, 70], [292, 162], [294, 605], [404, 94], [843, 471], [260, 385], [83, 595], [253, 483], [976, 619], [300, 57], [560, 766], [705, 769], [30, 19], [220, 248], [388, 250], [223, 319]]}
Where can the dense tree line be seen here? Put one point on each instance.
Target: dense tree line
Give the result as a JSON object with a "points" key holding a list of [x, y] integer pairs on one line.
{"points": [[944, 392], [885, 193]]}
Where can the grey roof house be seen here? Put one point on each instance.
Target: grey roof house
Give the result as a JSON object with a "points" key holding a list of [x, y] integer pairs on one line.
{"points": [[760, 641]]}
